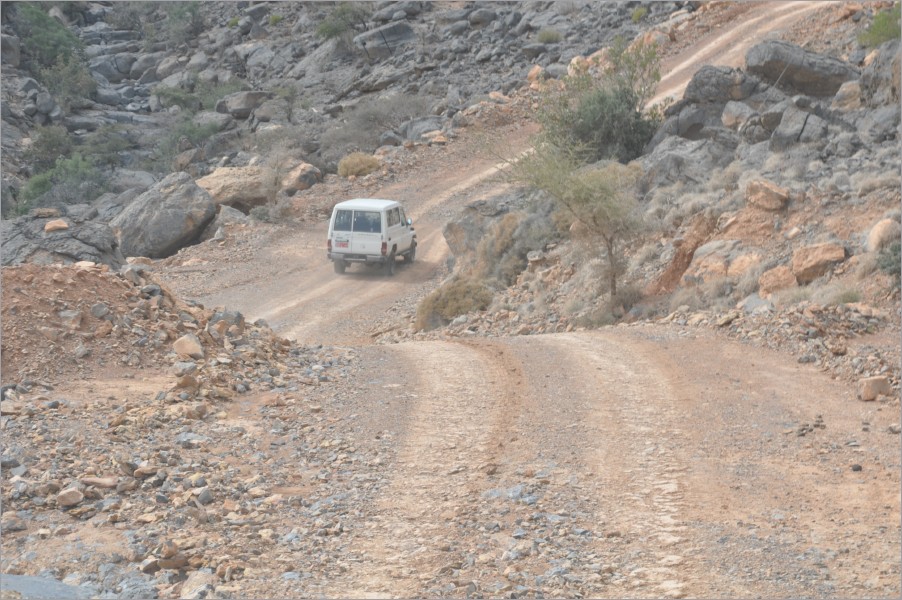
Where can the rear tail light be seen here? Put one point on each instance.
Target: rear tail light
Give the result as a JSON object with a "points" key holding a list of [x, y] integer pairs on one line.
{"points": [[384, 248]]}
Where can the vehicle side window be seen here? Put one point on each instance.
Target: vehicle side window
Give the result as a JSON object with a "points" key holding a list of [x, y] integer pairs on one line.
{"points": [[402, 216], [367, 221], [393, 217], [342, 221]]}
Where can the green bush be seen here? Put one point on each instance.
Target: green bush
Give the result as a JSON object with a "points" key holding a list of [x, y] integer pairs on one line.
{"points": [[106, 145], [183, 22], [49, 144], [548, 36], [202, 95], [343, 21], [131, 16], [275, 19], [69, 81], [457, 297], [71, 181], [173, 96], [211, 93], [358, 163], [233, 22], [601, 114], [167, 148], [884, 28], [890, 260], [44, 39], [639, 13]]}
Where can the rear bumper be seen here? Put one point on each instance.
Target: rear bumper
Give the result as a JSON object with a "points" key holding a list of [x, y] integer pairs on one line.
{"points": [[361, 258]]}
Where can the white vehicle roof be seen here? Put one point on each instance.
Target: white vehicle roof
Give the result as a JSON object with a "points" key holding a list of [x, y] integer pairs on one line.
{"points": [[366, 204]]}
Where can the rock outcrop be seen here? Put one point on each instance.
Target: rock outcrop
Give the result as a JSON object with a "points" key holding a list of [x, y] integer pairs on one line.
{"points": [[163, 219]]}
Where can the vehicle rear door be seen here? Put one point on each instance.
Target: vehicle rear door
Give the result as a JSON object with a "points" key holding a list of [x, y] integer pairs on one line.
{"points": [[366, 232]]}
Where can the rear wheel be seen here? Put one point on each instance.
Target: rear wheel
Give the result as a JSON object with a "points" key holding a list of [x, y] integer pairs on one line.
{"points": [[339, 266], [412, 254], [389, 266]]}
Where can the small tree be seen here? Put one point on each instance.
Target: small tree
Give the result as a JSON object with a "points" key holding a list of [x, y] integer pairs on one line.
{"points": [[344, 20], [69, 80], [600, 196], [44, 39]]}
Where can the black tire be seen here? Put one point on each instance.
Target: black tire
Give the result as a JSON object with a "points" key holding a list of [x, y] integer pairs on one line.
{"points": [[389, 266], [339, 266], [412, 254]]}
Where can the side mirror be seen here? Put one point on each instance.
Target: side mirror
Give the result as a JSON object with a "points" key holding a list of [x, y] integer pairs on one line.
{"points": [[409, 221]]}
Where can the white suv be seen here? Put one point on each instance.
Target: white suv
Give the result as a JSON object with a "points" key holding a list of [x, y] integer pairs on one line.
{"points": [[372, 232]]}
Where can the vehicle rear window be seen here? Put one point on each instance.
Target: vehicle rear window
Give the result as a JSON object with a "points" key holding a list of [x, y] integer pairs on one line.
{"points": [[366, 221], [342, 220]]}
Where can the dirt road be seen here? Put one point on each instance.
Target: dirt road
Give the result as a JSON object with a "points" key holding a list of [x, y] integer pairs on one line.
{"points": [[621, 464], [630, 462]]}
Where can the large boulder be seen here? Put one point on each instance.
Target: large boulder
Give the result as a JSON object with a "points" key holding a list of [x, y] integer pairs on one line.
{"points": [[301, 177], [239, 187], [802, 70], [766, 195], [385, 41], [810, 262], [719, 85], [165, 218], [47, 236], [798, 127], [241, 104], [678, 159], [880, 80]]}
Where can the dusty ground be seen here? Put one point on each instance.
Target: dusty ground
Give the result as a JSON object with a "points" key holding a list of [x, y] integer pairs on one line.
{"points": [[650, 460]]}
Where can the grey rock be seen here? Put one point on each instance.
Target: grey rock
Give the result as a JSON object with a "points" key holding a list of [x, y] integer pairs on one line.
{"points": [[240, 105], [880, 81], [9, 50], [111, 204], [24, 240], [45, 588], [784, 64], [415, 128], [798, 126], [165, 218], [719, 85], [482, 16], [386, 40]]}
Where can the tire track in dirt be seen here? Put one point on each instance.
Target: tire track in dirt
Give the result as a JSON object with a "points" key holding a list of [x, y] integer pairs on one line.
{"points": [[462, 405]]}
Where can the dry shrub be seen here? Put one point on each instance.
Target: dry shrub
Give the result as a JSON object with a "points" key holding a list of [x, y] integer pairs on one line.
{"points": [[457, 297], [748, 281], [686, 296], [358, 163], [833, 294], [867, 182], [792, 295]]}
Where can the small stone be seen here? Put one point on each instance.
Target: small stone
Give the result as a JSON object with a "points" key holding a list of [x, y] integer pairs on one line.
{"points": [[55, 225], [168, 549], [100, 310], [69, 497], [204, 496], [150, 565], [10, 522], [856, 467], [870, 388], [189, 345], [100, 482]]}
